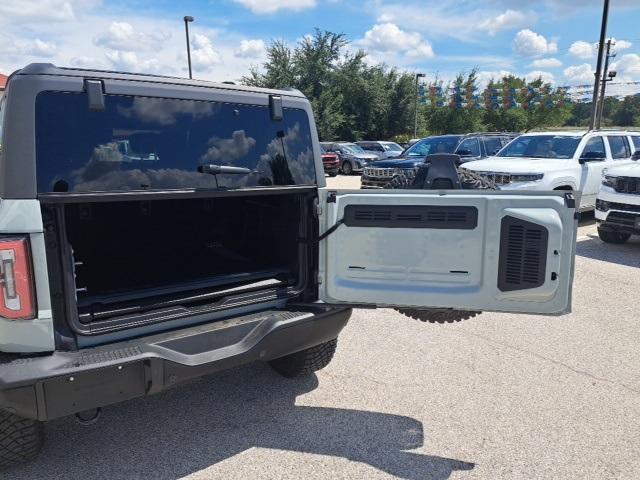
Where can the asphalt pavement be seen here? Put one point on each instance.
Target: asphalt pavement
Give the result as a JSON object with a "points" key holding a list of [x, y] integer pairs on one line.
{"points": [[499, 396]]}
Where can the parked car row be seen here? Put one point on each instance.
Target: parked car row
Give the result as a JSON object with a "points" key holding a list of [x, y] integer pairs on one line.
{"points": [[353, 157], [469, 147]]}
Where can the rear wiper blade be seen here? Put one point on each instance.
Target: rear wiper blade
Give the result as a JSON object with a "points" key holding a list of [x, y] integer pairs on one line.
{"points": [[223, 169]]}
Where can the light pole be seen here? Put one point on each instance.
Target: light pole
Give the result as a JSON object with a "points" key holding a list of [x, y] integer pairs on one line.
{"points": [[188, 19], [415, 125], [603, 86], [596, 84]]}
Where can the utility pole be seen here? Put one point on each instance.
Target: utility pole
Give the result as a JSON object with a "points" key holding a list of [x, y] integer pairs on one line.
{"points": [[603, 84], [188, 19], [415, 125], [596, 84]]}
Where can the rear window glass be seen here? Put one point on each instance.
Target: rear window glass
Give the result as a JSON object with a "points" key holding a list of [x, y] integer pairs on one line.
{"points": [[636, 143], [141, 143]]}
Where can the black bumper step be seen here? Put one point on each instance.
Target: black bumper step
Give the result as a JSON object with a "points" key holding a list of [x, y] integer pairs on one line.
{"points": [[64, 383]]}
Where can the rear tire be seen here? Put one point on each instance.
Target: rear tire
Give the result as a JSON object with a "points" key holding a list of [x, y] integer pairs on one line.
{"points": [[306, 361], [21, 439], [347, 168], [333, 174], [608, 236]]}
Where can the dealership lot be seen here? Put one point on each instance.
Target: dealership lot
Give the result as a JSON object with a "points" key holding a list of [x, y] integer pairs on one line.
{"points": [[498, 396]]}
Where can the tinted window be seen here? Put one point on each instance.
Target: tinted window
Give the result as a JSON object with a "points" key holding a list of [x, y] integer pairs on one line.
{"points": [[429, 146], [594, 148], [140, 143], [392, 147], [493, 144], [469, 147], [619, 147], [541, 146], [350, 148]]}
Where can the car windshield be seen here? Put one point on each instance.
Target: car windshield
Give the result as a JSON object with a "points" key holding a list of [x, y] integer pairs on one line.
{"points": [[433, 145], [392, 147], [352, 148], [542, 146]]}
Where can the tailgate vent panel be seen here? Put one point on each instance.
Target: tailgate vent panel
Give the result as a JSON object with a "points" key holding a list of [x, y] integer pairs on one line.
{"points": [[523, 254], [411, 216]]}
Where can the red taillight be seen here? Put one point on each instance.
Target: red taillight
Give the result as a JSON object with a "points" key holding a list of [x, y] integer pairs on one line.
{"points": [[16, 284]]}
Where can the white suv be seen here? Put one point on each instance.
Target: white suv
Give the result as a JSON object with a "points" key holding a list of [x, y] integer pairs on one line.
{"points": [[566, 160], [618, 202]]}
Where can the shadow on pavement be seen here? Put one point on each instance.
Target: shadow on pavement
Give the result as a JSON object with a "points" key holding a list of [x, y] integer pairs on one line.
{"points": [[186, 430], [627, 254]]}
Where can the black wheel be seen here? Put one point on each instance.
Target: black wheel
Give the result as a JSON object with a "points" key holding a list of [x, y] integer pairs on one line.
{"points": [[609, 236], [333, 174], [21, 439], [347, 168], [438, 315], [306, 361]]}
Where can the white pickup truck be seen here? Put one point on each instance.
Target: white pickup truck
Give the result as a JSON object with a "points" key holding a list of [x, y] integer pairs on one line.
{"points": [[618, 202], [564, 160]]}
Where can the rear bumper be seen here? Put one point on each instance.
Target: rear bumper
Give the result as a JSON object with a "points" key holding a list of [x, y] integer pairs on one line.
{"points": [[64, 383]]}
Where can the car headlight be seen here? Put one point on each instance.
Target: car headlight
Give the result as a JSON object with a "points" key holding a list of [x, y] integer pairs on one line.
{"points": [[609, 180], [526, 177]]}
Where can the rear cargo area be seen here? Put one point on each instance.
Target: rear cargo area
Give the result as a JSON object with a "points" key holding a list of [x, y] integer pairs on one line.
{"points": [[131, 257]]}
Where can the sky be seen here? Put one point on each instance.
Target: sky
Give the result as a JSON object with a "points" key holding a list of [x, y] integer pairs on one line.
{"points": [[554, 39]]}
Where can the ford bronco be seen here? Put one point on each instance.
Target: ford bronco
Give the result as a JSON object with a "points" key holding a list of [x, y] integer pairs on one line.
{"points": [[155, 230]]}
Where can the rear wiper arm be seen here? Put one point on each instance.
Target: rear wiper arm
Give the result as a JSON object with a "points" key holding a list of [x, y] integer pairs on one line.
{"points": [[223, 169]]}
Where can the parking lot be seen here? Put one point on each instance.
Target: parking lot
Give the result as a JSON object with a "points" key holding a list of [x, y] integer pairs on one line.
{"points": [[497, 396]]}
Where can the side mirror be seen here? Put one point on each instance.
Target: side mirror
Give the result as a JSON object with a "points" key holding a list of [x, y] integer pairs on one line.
{"points": [[636, 155], [592, 157], [464, 153]]}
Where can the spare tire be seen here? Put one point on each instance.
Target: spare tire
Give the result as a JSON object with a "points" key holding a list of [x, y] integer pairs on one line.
{"points": [[414, 178]]}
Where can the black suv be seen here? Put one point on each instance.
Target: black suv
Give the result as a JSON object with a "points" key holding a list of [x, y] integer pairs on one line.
{"points": [[472, 146], [154, 230]]}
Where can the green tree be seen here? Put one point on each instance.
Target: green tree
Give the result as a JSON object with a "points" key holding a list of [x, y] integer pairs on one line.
{"points": [[351, 100]]}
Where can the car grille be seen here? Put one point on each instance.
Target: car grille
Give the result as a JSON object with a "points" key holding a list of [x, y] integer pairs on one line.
{"points": [[627, 185], [379, 172], [604, 206], [496, 177]]}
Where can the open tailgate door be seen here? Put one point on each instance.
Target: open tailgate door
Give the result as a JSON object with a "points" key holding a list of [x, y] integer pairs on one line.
{"points": [[462, 249]]}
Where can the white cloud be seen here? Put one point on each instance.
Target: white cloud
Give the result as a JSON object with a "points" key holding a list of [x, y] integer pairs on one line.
{"points": [[582, 49], [30, 48], [123, 36], [576, 74], [531, 44], [228, 149], [44, 10], [547, 77], [508, 19], [621, 44], [250, 49], [129, 62], [203, 54], [272, 6], [627, 67], [388, 38], [546, 63]]}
